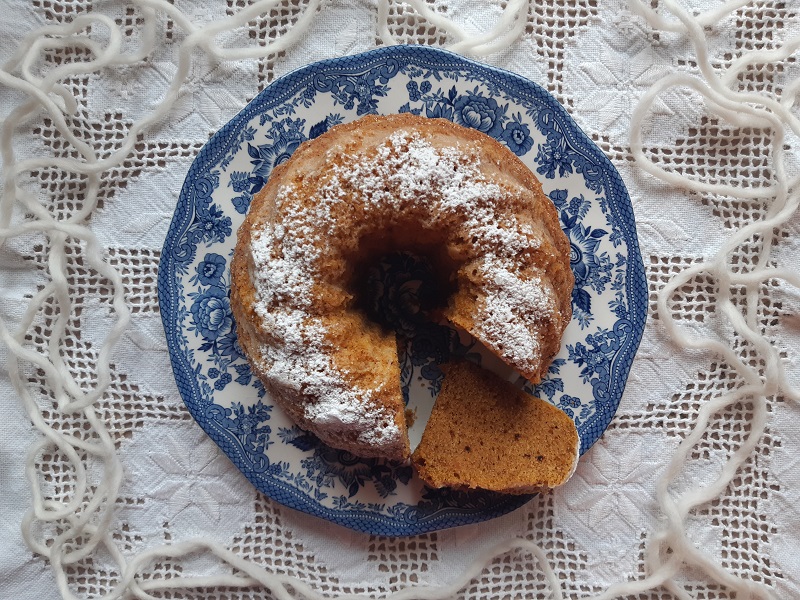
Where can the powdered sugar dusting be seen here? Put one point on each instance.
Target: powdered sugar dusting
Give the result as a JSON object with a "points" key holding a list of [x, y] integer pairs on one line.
{"points": [[512, 310], [408, 171], [301, 361], [404, 175]]}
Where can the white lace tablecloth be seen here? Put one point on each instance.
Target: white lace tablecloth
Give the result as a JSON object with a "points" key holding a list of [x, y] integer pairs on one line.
{"points": [[696, 111]]}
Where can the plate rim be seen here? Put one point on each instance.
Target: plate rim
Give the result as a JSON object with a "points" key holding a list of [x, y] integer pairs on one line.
{"points": [[285, 87]]}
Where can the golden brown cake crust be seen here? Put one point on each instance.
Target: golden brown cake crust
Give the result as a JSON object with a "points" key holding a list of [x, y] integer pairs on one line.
{"points": [[398, 182], [484, 433]]}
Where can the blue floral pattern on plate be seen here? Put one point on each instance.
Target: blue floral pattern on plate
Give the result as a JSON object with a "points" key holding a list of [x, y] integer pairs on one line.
{"points": [[291, 466]]}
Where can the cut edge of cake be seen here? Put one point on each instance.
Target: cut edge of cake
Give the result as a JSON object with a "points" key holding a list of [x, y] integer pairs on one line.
{"points": [[484, 433]]}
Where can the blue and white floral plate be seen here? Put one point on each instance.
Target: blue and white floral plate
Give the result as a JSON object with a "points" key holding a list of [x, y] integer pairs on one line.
{"points": [[294, 468]]}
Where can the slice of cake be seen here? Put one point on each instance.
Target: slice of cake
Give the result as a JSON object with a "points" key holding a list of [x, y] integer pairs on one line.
{"points": [[485, 433]]}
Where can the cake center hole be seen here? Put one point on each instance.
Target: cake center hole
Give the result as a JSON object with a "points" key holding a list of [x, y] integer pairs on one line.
{"points": [[404, 290]]}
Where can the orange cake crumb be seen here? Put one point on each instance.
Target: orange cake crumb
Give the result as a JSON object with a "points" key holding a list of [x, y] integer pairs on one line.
{"points": [[485, 433]]}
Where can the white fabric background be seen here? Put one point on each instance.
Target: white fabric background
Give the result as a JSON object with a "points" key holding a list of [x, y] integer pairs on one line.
{"points": [[598, 59]]}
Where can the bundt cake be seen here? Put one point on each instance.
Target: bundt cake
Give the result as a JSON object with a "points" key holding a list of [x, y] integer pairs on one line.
{"points": [[484, 433], [361, 190]]}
